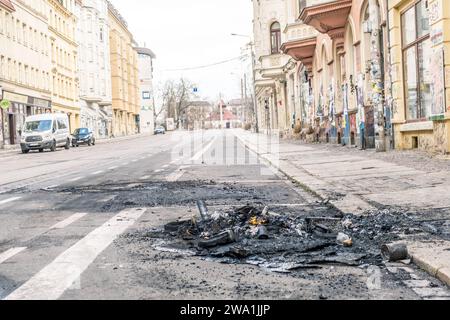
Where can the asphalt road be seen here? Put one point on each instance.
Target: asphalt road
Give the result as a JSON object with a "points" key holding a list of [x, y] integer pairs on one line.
{"points": [[72, 224]]}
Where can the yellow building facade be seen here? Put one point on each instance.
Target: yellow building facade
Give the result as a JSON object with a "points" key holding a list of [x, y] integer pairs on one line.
{"points": [[63, 49], [420, 53], [124, 75]]}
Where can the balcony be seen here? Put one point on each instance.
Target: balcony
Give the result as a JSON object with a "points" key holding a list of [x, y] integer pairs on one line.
{"points": [[326, 16], [272, 66], [300, 43]]}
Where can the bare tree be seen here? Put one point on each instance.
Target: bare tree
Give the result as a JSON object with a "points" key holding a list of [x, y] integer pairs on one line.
{"points": [[175, 96]]}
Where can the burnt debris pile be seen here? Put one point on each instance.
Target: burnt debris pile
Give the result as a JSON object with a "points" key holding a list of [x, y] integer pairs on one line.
{"points": [[284, 243]]}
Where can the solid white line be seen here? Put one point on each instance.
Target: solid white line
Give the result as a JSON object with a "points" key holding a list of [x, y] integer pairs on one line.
{"points": [[98, 172], [174, 176], [199, 154], [51, 282], [10, 253], [9, 200], [75, 179], [68, 221]]}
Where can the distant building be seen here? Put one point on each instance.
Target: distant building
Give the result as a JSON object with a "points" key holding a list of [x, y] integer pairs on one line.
{"points": [[124, 74], [196, 115], [94, 66], [147, 98]]}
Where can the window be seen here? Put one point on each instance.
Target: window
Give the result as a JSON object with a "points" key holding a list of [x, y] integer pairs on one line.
{"points": [[61, 125], [275, 38], [416, 57]]}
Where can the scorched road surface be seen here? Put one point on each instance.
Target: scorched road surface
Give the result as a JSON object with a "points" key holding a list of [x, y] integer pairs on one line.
{"points": [[75, 225]]}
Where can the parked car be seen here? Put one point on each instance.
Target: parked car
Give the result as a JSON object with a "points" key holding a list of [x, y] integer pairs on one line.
{"points": [[160, 130], [45, 131], [83, 136]]}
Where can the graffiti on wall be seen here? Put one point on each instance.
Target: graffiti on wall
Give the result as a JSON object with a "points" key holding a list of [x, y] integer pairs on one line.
{"points": [[438, 87]]}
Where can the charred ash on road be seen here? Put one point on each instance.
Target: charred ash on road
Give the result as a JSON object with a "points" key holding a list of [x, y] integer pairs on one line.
{"points": [[285, 242]]}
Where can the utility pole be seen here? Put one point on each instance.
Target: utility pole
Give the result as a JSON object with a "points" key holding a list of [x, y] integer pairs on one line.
{"points": [[377, 76]]}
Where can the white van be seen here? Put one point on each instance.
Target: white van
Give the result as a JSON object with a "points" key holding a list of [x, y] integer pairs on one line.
{"points": [[45, 131]]}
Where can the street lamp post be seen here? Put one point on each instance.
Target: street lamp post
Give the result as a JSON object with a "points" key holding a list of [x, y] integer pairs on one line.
{"points": [[255, 105]]}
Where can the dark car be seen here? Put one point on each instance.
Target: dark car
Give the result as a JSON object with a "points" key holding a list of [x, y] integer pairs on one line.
{"points": [[83, 136]]}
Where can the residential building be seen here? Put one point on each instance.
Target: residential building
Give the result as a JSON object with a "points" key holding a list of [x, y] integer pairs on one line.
{"points": [[196, 115], [94, 68], [124, 74], [420, 51], [25, 65], [62, 24], [147, 97]]}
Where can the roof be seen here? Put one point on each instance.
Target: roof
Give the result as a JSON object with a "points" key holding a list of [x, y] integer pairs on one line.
{"points": [[227, 116], [142, 50], [7, 4]]}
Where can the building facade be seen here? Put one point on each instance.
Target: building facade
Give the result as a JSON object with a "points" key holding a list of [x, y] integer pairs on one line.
{"points": [[62, 25], [25, 64], [366, 73], [124, 75], [94, 67], [420, 53], [147, 98]]}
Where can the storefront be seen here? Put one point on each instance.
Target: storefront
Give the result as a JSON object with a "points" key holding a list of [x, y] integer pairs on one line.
{"points": [[420, 65], [16, 108]]}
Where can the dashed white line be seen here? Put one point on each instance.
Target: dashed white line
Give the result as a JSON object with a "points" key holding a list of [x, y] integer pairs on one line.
{"points": [[51, 282], [165, 166], [144, 178], [10, 253], [9, 200], [112, 168], [75, 179], [158, 170], [97, 172], [68, 221]]}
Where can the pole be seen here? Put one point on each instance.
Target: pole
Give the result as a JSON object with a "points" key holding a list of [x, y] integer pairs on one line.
{"points": [[255, 104], [377, 77]]}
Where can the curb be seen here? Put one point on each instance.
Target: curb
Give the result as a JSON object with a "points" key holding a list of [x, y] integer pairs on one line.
{"points": [[427, 260]]}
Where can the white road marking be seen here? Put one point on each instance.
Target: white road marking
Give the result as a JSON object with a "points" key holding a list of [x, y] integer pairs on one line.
{"points": [[135, 160], [112, 168], [10, 253], [108, 198], [52, 187], [52, 281], [199, 154], [159, 170], [68, 221], [9, 200], [144, 178], [174, 176], [97, 172], [75, 179], [165, 166]]}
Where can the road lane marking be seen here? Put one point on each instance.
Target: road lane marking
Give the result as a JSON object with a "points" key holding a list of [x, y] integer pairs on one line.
{"points": [[135, 160], [68, 221], [158, 170], [10, 253], [97, 172], [52, 281], [75, 179], [174, 176], [165, 166], [112, 168], [144, 178], [9, 200], [199, 154]]}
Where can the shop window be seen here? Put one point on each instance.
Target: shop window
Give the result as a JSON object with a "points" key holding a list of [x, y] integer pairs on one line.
{"points": [[416, 58]]}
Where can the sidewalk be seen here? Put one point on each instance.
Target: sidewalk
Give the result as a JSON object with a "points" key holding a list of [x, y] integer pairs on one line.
{"points": [[359, 182]]}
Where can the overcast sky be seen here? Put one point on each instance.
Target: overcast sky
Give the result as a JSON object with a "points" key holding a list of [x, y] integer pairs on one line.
{"points": [[186, 34]]}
